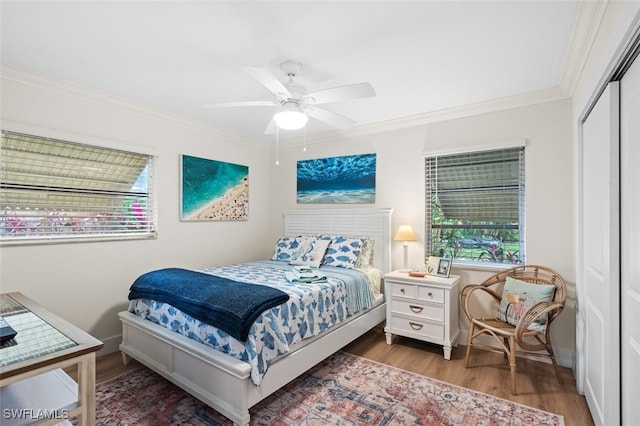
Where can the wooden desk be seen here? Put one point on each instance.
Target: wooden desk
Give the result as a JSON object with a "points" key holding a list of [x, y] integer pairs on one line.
{"points": [[44, 344]]}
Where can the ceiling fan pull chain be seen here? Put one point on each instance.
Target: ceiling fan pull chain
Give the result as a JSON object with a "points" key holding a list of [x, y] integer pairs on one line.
{"points": [[277, 146]]}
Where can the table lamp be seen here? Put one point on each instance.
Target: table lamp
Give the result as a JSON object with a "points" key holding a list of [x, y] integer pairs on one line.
{"points": [[405, 233]]}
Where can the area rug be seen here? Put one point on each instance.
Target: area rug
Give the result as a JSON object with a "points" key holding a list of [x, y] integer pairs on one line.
{"points": [[342, 390]]}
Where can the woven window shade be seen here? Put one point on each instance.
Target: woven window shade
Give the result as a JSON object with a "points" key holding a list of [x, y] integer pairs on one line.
{"points": [[480, 186], [473, 202], [58, 189]]}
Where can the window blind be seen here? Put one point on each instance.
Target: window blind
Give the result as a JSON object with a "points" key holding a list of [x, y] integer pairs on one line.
{"points": [[475, 205], [58, 190]]}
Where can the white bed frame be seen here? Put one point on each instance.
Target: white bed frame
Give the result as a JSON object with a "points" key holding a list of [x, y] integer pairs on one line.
{"points": [[224, 382]]}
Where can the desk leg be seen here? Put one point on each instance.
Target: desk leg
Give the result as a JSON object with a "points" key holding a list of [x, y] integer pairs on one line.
{"points": [[87, 389]]}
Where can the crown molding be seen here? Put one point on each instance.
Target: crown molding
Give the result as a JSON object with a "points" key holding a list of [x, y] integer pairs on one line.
{"points": [[585, 30], [90, 95], [522, 100], [85, 94]]}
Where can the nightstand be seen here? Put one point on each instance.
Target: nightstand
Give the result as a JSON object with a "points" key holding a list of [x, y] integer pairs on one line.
{"points": [[422, 308]]}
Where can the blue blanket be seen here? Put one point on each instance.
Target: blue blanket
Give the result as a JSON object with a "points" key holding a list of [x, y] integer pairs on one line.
{"points": [[230, 305]]}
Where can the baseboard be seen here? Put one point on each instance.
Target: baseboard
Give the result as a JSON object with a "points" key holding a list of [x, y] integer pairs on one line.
{"points": [[111, 345], [565, 357]]}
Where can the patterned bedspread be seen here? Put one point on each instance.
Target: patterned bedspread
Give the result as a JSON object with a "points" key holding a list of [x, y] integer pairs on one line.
{"points": [[311, 309]]}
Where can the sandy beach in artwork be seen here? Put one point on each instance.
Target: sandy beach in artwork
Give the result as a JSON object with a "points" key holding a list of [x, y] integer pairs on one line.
{"points": [[234, 205]]}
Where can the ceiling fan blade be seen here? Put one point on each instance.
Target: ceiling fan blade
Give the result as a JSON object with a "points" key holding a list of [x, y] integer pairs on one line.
{"points": [[340, 93], [271, 128], [329, 117], [268, 80], [241, 104]]}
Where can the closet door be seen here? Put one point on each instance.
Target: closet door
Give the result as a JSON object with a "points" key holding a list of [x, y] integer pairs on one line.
{"points": [[600, 258], [630, 241]]}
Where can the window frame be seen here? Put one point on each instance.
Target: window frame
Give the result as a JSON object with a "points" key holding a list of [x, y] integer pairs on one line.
{"points": [[148, 228], [476, 263]]}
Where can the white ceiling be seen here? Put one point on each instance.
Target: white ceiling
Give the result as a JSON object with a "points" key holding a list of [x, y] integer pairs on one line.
{"points": [[175, 56]]}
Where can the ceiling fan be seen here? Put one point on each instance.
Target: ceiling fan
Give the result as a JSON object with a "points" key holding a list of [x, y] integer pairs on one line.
{"points": [[295, 104]]}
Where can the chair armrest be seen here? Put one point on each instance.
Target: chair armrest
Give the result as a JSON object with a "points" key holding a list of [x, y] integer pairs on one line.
{"points": [[465, 296], [535, 312]]}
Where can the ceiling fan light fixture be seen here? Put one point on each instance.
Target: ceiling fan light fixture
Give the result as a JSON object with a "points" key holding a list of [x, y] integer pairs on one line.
{"points": [[291, 118]]}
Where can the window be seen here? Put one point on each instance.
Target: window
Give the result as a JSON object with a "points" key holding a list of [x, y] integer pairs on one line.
{"points": [[475, 206], [55, 191]]}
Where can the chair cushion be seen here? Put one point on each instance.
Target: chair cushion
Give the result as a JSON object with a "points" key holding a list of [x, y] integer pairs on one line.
{"points": [[518, 296]]}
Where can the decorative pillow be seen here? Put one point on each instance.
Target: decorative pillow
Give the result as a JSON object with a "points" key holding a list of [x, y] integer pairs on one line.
{"points": [[314, 254], [289, 248], [343, 252], [518, 296], [365, 260]]}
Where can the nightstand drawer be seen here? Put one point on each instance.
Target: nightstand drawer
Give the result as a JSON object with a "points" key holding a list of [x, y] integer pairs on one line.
{"points": [[431, 331], [404, 290], [431, 294], [423, 311]]}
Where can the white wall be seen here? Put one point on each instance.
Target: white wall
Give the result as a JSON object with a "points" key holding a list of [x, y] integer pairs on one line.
{"points": [[87, 283], [546, 127]]}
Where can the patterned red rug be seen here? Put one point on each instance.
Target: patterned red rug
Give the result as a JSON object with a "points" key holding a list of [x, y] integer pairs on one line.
{"points": [[343, 390]]}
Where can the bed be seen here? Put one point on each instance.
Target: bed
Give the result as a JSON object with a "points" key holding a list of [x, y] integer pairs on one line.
{"points": [[225, 383]]}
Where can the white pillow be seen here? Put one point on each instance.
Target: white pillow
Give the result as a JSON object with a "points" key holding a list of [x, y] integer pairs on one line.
{"points": [[313, 256]]}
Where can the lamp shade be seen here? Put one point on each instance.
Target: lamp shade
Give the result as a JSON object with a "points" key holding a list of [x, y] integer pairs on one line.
{"points": [[291, 118], [405, 233]]}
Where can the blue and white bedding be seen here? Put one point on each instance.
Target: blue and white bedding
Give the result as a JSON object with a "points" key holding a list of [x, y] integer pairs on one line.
{"points": [[310, 310]]}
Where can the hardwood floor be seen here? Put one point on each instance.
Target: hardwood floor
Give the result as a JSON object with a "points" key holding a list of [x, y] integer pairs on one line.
{"points": [[488, 373]]}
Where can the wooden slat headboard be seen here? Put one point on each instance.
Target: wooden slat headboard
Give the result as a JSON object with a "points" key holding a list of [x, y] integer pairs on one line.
{"points": [[371, 222]]}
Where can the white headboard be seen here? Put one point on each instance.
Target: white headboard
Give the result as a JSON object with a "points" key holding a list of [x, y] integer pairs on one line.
{"points": [[371, 222]]}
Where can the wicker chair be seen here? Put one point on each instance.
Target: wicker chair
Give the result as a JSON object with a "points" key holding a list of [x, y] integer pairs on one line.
{"points": [[510, 337]]}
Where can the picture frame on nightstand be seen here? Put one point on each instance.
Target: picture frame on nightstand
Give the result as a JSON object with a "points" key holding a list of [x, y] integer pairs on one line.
{"points": [[438, 266]]}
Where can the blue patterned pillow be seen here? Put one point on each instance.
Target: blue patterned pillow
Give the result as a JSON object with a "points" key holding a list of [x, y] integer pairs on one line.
{"points": [[343, 252], [289, 248]]}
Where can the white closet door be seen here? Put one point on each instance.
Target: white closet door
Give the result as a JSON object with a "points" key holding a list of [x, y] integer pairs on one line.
{"points": [[600, 303], [630, 241]]}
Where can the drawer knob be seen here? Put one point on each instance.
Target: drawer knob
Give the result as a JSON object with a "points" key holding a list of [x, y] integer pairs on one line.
{"points": [[416, 326], [402, 290], [415, 308], [430, 294]]}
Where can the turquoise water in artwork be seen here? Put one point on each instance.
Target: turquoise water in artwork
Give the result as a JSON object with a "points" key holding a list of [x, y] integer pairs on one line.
{"points": [[343, 180], [204, 181]]}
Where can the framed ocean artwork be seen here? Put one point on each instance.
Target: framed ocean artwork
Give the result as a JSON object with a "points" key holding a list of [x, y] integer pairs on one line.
{"points": [[213, 190], [349, 179]]}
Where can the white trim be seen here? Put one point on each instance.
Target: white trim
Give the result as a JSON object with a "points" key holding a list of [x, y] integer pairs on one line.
{"points": [[63, 135], [564, 357], [489, 146], [551, 94], [85, 94], [585, 30]]}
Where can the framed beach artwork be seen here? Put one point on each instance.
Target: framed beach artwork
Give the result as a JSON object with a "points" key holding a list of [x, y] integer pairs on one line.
{"points": [[349, 179], [213, 190]]}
